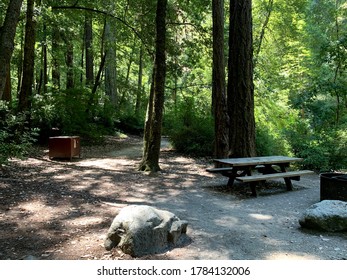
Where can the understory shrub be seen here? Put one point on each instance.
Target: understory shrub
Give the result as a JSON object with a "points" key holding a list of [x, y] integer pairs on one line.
{"points": [[194, 138], [73, 112], [321, 151], [129, 123], [15, 138], [268, 143]]}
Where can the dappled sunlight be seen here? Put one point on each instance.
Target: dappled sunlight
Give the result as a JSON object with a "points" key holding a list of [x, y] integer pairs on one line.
{"points": [[107, 164], [63, 209], [85, 220], [227, 221], [289, 256], [32, 211], [260, 216]]}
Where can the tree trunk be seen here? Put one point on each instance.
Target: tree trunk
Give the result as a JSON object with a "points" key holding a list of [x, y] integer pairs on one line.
{"points": [[110, 63], [152, 139], [139, 84], [69, 63], [43, 77], [55, 58], [89, 50], [7, 92], [20, 59], [221, 119], [240, 91], [7, 34], [44, 63], [25, 94]]}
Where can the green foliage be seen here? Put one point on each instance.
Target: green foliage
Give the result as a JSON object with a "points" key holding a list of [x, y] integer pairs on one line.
{"points": [[324, 151], [73, 112], [273, 117], [190, 132], [15, 137], [129, 123], [300, 75], [268, 143]]}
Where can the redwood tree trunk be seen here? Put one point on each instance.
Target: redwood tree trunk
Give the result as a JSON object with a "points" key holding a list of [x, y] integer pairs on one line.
{"points": [[7, 92], [152, 139], [55, 60], [240, 89], [28, 63], [221, 119], [7, 34], [88, 28], [69, 56]]}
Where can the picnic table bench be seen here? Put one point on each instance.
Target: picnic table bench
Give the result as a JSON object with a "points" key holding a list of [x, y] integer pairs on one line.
{"points": [[268, 167]]}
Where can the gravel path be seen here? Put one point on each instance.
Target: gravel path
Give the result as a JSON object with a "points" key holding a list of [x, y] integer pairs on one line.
{"points": [[61, 210]]}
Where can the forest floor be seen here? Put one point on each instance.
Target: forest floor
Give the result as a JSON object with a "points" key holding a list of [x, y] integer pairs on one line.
{"points": [[61, 210]]}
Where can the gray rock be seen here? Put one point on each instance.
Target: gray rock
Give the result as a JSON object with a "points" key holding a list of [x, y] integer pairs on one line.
{"points": [[327, 215], [140, 230]]}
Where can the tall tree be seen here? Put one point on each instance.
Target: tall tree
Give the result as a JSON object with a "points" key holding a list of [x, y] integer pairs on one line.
{"points": [[221, 119], [110, 63], [69, 59], [88, 39], [7, 34], [240, 90], [55, 57], [153, 125], [29, 59]]}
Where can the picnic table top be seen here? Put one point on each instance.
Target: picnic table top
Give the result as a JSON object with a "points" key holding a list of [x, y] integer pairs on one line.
{"points": [[248, 161]]}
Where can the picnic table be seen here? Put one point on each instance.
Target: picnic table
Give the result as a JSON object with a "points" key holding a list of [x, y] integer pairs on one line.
{"points": [[268, 167]]}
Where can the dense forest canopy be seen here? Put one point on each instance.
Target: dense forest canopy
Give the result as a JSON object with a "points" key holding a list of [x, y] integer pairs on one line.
{"points": [[87, 67]]}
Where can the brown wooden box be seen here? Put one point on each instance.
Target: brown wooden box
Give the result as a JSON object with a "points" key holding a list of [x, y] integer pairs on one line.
{"points": [[64, 147]]}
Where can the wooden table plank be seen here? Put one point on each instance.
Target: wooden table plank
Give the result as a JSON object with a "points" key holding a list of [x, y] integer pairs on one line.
{"points": [[252, 161]]}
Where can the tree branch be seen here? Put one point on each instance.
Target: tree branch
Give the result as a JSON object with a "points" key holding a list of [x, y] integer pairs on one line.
{"points": [[75, 7]]}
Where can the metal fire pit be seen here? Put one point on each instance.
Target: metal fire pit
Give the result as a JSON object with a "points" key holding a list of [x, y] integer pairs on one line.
{"points": [[333, 186]]}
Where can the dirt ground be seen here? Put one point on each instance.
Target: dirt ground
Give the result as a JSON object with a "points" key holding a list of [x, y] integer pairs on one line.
{"points": [[54, 209]]}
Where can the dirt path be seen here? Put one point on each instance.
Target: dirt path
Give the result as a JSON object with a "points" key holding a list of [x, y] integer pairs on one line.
{"points": [[61, 210]]}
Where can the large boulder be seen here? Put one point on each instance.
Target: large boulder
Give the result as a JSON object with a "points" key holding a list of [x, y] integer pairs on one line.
{"points": [[140, 230], [327, 215]]}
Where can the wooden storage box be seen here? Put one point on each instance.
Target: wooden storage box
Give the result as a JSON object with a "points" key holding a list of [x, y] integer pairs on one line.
{"points": [[64, 147]]}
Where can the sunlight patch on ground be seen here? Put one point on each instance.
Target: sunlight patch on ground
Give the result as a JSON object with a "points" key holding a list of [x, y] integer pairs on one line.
{"points": [[34, 210], [183, 160], [85, 221], [226, 221], [105, 163], [260, 216], [289, 256]]}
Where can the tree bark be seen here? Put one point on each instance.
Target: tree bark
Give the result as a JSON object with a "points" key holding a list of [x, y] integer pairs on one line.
{"points": [[240, 90], [221, 119], [152, 138], [89, 50], [69, 56], [25, 94], [139, 84], [55, 58], [7, 92], [7, 34], [110, 63]]}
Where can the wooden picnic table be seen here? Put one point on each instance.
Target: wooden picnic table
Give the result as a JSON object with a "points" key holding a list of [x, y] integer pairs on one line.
{"points": [[268, 167]]}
